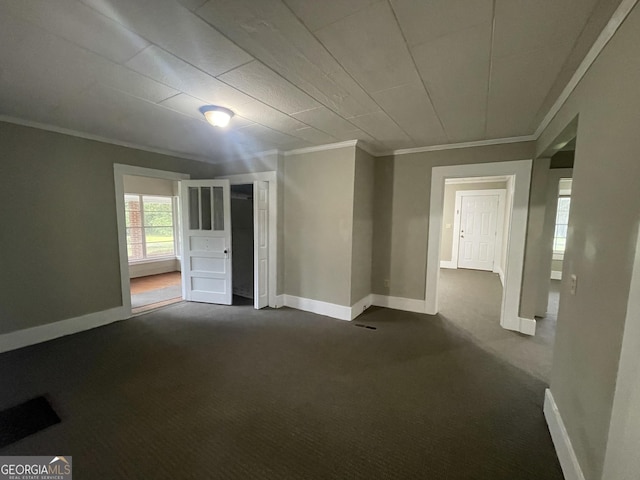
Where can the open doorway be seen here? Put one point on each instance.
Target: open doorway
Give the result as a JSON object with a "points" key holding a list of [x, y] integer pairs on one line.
{"points": [[475, 225], [513, 266], [152, 236], [265, 253], [242, 243]]}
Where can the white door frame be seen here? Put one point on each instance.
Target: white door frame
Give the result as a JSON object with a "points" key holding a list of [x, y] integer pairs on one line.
{"points": [[457, 214], [271, 177], [521, 169], [119, 171]]}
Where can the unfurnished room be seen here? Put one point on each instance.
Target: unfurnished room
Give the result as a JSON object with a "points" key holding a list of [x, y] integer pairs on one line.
{"points": [[302, 239]]}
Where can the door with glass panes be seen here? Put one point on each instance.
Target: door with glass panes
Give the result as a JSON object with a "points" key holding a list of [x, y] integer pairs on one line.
{"points": [[206, 241]]}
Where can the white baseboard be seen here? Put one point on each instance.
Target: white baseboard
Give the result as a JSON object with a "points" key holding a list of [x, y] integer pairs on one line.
{"points": [[528, 326], [561, 441], [43, 333], [448, 264], [399, 303], [278, 301], [500, 273], [316, 306], [360, 306], [555, 275]]}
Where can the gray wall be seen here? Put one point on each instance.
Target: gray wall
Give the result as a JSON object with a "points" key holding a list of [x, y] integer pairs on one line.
{"points": [[535, 235], [60, 239], [318, 224], [362, 226], [448, 212], [403, 185], [605, 214]]}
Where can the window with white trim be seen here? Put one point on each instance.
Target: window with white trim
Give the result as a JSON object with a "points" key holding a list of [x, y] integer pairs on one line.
{"points": [[562, 224], [150, 227]]}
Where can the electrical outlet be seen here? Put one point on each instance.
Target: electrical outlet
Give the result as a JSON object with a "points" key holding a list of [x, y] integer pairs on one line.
{"points": [[574, 283]]}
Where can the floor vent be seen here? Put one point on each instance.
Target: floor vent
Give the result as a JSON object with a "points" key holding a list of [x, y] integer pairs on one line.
{"points": [[361, 325]]}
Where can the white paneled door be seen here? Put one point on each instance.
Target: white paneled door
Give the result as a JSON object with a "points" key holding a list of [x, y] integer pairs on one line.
{"points": [[206, 241], [478, 230], [261, 243]]}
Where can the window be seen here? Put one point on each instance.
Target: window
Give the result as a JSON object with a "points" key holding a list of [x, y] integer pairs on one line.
{"points": [[150, 227], [562, 222]]}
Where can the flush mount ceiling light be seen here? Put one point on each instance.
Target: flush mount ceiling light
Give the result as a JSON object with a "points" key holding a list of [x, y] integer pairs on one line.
{"points": [[216, 116]]}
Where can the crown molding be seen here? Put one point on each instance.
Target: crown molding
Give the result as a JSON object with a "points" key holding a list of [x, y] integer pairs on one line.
{"points": [[98, 138], [621, 13], [321, 148], [607, 33], [453, 146]]}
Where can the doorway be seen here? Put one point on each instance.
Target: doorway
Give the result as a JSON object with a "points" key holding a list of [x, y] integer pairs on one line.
{"points": [[513, 255], [265, 229], [242, 243]]}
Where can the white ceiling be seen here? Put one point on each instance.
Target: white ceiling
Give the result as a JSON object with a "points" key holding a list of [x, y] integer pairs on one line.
{"points": [[297, 73]]}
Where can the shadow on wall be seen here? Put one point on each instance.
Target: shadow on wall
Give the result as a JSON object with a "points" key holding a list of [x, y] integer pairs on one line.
{"points": [[382, 231]]}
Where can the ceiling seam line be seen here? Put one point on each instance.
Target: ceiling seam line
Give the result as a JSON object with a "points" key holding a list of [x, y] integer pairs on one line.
{"points": [[493, 32], [278, 74], [415, 66], [354, 80]]}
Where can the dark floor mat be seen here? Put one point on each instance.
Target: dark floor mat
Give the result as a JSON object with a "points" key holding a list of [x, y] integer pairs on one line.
{"points": [[26, 419]]}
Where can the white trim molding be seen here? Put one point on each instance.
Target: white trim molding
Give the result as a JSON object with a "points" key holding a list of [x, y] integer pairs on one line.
{"points": [[454, 146], [278, 302], [527, 326], [316, 306], [360, 306], [119, 171], [449, 264], [561, 441], [607, 33], [513, 269], [272, 178], [399, 303], [50, 331], [98, 138]]}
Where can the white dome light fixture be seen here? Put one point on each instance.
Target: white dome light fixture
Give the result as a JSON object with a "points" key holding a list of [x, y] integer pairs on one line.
{"points": [[217, 116]]}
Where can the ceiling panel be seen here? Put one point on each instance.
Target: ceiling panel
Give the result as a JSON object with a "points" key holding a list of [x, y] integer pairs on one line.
{"points": [[325, 120], [81, 25], [184, 104], [178, 31], [270, 32], [410, 107], [176, 73], [387, 62], [424, 21], [524, 25], [314, 136], [316, 15], [455, 68], [384, 129], [295, 72], [267, 116], [274, 137], [519, 84], [261, 82]]}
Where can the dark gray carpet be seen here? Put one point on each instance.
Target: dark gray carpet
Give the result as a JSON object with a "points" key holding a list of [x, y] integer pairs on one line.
{"points": [[155, 296], [471, 299], [196, 391]]}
